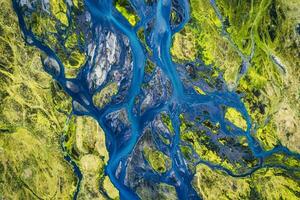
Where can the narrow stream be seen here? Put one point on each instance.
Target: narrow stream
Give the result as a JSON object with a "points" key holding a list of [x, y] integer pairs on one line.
{"points": [[155, 19]]}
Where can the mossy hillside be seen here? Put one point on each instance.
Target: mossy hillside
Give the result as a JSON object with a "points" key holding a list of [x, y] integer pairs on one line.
{"points": [[271, 88], [202, 38], [268, 22], [263, 184], [85, 143], [157, 160], [212, 184], [30, 171], [166, 119], [198, 145], [265, 32], [290, 161], [125, 8], [236, 118], [162, 192], [276, 184], [267, 95], [59, 31], [103, 97], [32, 118]]}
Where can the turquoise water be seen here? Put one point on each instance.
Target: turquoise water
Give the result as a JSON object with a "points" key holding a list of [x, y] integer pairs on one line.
{"points": [[178, 98]]}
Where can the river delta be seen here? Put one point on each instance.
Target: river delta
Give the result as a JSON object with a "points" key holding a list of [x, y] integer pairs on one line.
{"points": [[150, 99]]}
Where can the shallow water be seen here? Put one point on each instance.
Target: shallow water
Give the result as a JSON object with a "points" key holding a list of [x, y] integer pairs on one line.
{"points": [[181, 100]]}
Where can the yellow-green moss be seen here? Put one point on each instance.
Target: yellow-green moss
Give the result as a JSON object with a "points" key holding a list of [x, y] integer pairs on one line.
{"points": [[73, 63], [104, 96], [274, 184], [202, 38], [158, 161], [267, 136], [262, 184], [59, 10], [34, 169], [32, 120], [110, 189], [131, 17], [199, 90], [236, 118], [167, 121], [86, 145], [212, 185], [184, 46]]}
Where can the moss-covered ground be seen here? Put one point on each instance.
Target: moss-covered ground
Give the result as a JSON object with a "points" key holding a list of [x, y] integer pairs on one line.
{"points": [[263, 33], [85, 143], [34, 115], [264, 184], [255, 46]]}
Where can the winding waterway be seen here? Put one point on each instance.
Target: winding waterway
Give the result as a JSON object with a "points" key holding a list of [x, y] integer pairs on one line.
{"points": [[155, 19]]}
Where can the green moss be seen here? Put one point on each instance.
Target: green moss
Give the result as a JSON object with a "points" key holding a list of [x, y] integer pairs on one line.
{"points": [[288, 161], [158, 161], [59, 10], [199, 141], [187, 152], [160, 191], [124, 7], [263, 184], [149, 67], [183, 123], [104, 96], [267, 136], [85, 143], [75, 59], [201, 145], [31, 117], [167, 121], [276, 184], [264, 33], [199, 90], [73, 63], [55, 31], [39, 22], [236, 118], [35, 170], [110, 189], [184, 45], [202, 38], [212, 184]]}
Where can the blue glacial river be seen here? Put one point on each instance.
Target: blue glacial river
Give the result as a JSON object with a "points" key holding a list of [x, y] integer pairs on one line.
{"points": [[158, 31]]}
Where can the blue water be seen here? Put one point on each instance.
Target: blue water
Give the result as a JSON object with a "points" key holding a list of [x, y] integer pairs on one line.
{"points": [[155, 19]]}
